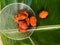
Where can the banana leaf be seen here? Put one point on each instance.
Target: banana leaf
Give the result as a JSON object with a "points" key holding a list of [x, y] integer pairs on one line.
{"points": [[47, 34]]}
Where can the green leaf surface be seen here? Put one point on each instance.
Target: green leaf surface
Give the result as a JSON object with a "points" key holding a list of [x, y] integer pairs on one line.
{"points": [[39, 37], [50, 37]]}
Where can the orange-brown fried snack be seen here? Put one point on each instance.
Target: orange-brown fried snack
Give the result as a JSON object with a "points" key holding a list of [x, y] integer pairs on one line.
{"points": [[33, 21], [43, 14], [27, 21], [23, 25]]}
